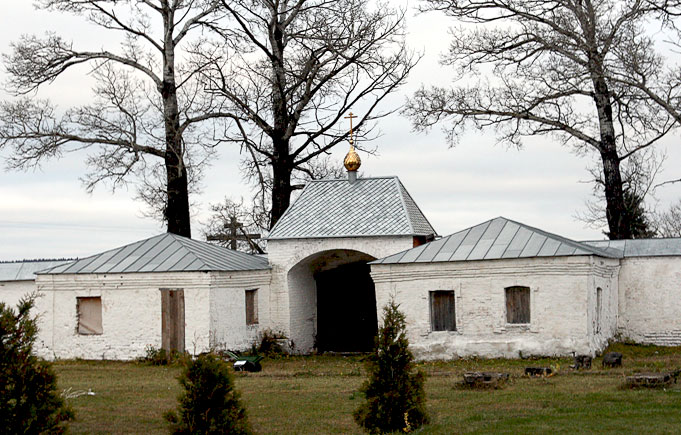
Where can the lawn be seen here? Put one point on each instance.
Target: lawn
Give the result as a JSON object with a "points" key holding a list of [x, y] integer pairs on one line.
{"points": [[317, 394]]}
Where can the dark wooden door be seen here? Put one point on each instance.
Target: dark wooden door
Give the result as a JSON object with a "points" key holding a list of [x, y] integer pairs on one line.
{"points": [[346, 309], [172, 320]]}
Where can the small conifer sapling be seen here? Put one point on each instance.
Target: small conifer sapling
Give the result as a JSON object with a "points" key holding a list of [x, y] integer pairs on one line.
{"points": [[209, 403], [395, 398], [29, 401]]}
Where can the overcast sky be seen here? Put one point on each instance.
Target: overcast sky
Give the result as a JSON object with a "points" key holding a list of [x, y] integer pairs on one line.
{"points": [[47, 214]]}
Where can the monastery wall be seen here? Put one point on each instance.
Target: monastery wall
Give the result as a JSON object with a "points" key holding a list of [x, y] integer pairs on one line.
{"points": [[131, 313], [650, 300], [228, 328], [561, 289], [293, 296], [11, 292]]}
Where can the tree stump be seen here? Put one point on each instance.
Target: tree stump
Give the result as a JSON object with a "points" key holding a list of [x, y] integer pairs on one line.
{"points": [[650, 380], [484, 379]]}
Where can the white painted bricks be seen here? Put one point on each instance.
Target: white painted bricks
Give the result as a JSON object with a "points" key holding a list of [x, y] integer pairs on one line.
{"points": [[561, 299]]}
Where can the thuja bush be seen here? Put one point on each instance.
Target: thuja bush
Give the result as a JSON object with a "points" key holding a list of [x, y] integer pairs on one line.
{"points": [[395, 399], [29, 401], [209, 403]]}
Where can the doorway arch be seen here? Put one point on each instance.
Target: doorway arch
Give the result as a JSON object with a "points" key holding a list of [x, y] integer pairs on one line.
{"points": [[332, 302]]}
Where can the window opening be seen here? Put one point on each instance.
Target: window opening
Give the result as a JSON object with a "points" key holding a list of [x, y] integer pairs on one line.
{"points": [[89, 315], [252, 307], [517, 304], [442, 311]]}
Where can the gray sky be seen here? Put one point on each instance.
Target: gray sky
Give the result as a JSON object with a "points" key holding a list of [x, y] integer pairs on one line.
{"points": [[46, 213]]}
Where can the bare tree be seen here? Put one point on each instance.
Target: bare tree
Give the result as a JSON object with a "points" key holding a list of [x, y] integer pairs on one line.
{"points": [[238, 226], [669, 222], [639, 173], [551, 69], [147, 107], [296, 69]]}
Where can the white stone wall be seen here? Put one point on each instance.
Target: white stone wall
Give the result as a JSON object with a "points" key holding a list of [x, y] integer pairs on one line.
{"points": [[293, 295], [605, 276], [11, 292], [650, 300], [131, 313], [560, 294], [228, 329]]}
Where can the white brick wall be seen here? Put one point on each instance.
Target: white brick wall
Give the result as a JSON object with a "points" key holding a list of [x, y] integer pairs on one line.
{"points": [[560, 290], [228, 329], [644, 305], [131, 313], [650, 300], [11, 292]]}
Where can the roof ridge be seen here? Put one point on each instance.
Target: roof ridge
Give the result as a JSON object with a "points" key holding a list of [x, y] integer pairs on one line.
{"points": [[577, 244], [405, 210], [573, 247], [403, 192], [325, 180]]}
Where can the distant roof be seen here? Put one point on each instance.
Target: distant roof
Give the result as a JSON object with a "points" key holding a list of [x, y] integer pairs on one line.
{"points": [[25, 270], [164, 253], [495, 239], [379, 206], [640, 247]]}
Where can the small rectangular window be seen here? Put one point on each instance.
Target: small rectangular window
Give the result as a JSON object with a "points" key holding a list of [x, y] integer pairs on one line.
{"points": [[89, 315], [442, 312], [252, 307], [517, 304], [599, 308]]}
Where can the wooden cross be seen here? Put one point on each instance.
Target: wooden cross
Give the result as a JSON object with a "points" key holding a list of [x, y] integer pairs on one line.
{"points": [[232, 236], [350, 117]]}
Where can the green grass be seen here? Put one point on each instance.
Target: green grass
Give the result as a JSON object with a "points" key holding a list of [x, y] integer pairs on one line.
{"points": [[318, 394]]}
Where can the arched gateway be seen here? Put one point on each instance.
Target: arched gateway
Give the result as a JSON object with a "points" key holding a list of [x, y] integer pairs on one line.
{"points": [[323, 296], [332, 297]]}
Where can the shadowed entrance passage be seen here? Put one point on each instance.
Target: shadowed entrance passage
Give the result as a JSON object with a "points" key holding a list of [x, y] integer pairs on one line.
{"points": [[346, 309]]}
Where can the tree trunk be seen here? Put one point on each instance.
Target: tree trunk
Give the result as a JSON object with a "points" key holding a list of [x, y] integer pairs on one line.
{"points": [[177, 205], [281, 158], [281, 189], [612, 178]]}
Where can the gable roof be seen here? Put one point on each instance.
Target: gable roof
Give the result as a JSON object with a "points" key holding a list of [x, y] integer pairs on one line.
{"points": [[639, 247], [25, 270], [379, 206], [495, 239], [163, 253]]}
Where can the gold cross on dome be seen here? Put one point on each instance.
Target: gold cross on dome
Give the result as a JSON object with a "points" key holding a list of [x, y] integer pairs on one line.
{"points": [[350, 117]]}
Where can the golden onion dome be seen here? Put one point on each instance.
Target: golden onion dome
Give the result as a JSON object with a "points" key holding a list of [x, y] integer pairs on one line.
{"points": [[352, 161]]}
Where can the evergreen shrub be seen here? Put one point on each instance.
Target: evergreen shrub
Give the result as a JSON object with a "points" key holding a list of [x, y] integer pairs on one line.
{"points": [[395, 398], [209, 403], [29, 401]]}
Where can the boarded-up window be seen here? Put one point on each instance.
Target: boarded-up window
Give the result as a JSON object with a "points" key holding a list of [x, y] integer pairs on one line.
{"points": [[599, 307], [252, 307], [89, 315], [517, 304], [442, 313]]}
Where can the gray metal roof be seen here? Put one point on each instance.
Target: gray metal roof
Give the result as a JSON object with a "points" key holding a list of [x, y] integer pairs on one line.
{"points": [[378, 206], [495, 239], [164, 253], [25, 270], [640, 247]]}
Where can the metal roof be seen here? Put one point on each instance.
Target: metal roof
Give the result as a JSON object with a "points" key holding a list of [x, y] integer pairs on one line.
{"points": [[379, 206], [495, 239], [164, 253], [640, 247], [25, 270]]}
